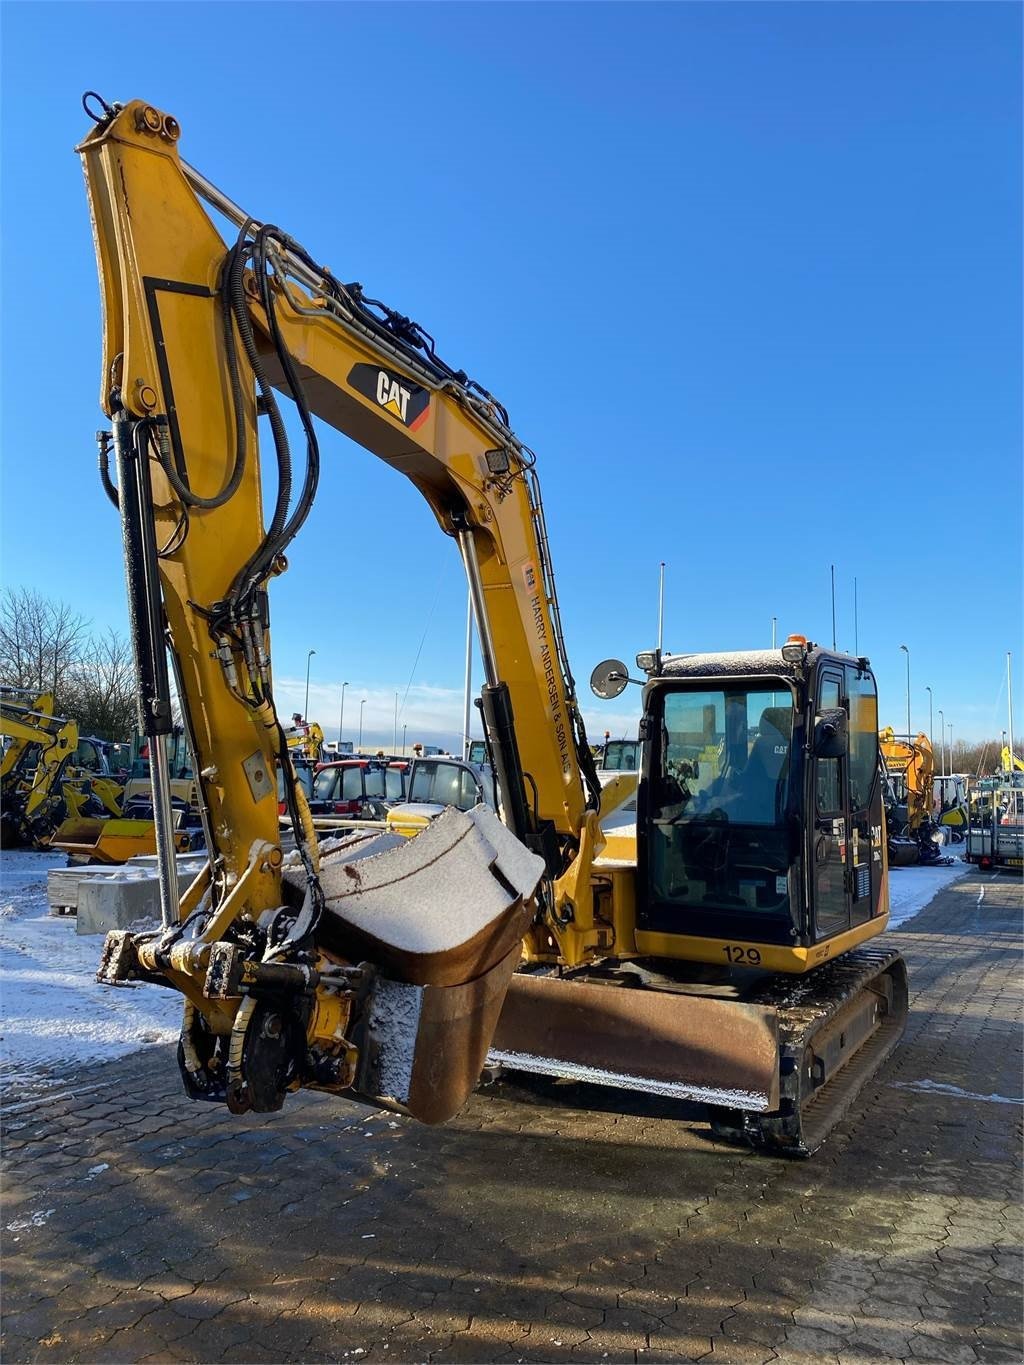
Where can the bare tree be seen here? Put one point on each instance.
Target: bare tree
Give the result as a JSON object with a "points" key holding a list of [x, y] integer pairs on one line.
{"points": [[40, 643], [103, 688]]}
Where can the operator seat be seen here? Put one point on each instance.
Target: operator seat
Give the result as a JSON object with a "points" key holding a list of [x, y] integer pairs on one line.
{"points": [[762, 799]]}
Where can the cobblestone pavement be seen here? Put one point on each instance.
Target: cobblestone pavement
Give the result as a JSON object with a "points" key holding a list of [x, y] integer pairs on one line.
{"points": [[139, 1226]]}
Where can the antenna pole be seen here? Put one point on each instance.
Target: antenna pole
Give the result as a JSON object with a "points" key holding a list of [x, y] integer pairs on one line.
{"points": [[856, 633], [661, 606]]}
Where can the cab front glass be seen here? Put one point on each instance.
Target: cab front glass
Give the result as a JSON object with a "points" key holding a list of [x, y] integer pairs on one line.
{"points": [[720, 838]]}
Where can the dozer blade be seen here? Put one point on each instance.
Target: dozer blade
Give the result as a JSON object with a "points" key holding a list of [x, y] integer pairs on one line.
{"points": [[718, 1052]]}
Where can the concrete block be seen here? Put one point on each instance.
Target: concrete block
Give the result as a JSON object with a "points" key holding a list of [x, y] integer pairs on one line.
{"points": [[116, 904]]}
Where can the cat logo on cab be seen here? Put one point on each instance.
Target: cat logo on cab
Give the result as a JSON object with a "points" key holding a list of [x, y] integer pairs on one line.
{"points": [[398, 395]]}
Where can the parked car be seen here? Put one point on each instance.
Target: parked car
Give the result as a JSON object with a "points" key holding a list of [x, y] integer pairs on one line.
{"points": [[435, 783], [357, 789]]}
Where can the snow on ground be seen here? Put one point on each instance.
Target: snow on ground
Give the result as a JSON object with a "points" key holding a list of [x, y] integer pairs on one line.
{"points": [[911, 888], [54, 1016]]}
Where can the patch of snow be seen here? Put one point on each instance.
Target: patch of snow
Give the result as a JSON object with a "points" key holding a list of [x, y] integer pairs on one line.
{"points": [[912, 888], [594, 1075], [54, 1016], [394, 1023], [939, 1087], [34, 1220]]}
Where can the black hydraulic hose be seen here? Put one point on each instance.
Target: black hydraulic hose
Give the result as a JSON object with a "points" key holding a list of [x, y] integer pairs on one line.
{"points": [[187, 496], [104, 440], [236, 289], [312, 479], [313, 903]]}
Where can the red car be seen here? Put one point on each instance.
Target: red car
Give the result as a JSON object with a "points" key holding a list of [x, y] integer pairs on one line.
{"points": [[358, 788]]}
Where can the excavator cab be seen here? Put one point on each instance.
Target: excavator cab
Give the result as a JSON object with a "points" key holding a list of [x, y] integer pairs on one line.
{"points": [[759, 824]]}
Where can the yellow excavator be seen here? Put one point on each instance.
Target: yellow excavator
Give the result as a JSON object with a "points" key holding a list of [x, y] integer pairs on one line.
{"points": [[305, 739], [124, 827], [47, 772], [719, 952], [913, 834]]}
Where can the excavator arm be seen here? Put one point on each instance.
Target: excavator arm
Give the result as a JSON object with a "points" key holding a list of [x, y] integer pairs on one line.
{"points": [[24, 724], [28, 809], [200, 338]]}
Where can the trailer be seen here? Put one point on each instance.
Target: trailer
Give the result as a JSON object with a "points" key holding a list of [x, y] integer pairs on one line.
{"points": [[995, 829]]}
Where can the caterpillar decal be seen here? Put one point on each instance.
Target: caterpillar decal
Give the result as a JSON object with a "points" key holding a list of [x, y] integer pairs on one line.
{"points": [[403, 398]]}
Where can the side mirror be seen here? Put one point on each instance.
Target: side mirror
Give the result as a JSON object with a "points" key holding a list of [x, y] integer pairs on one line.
{"points": [[831, 738], [609, 679]]}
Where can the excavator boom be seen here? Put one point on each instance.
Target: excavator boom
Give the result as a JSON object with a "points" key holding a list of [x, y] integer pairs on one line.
{"points": [[179, 307]]}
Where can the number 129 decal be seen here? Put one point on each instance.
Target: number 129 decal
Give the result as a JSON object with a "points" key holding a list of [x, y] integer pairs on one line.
{"points": [[744, 957]]}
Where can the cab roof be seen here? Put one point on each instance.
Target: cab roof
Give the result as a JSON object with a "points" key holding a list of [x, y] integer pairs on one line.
{"points": [[732, 663], [747, 663]]}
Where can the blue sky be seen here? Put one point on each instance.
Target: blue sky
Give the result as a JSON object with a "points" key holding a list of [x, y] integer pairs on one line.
{"points": [[747, 278]]}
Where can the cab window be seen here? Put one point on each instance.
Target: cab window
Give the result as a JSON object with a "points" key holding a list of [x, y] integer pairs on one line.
{"points": [[860, 688]]}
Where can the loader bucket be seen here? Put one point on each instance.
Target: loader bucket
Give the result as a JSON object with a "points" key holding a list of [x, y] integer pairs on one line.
{"points": [[717, 1052], [110, 841]]}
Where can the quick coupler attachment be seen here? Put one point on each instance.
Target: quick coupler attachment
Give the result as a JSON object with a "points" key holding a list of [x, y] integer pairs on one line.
{"points": [[118, 961]]}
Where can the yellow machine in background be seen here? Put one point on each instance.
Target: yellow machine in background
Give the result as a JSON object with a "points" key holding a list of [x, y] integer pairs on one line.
{"points": [[664, 964], [25, 725], [912, 762], [913, 835], [37, 771], [305, 739], [127, 829]]}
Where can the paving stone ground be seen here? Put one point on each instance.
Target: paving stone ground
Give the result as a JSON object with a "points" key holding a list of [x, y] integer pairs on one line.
{"points": [[140, 1227]]}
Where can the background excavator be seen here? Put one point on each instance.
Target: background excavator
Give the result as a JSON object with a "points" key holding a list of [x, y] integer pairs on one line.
{"points": [[716, 952], [913, 836], [124, 828], [48, 771]]}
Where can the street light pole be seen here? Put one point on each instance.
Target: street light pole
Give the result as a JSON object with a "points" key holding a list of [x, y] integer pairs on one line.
{"points": [[906, 651], [404, 728], [305, 713], [942, 743], [1009, 702], [774, 619], [951, 748], [361, 705], [341, 715], [931, 724]]}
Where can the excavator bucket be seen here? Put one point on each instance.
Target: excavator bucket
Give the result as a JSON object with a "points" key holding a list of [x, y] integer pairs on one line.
{"points": [[441, 917], [718, 1052], [109, 841]]}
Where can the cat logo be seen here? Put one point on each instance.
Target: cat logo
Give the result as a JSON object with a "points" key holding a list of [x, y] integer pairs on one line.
{"points": [[400, 397]]}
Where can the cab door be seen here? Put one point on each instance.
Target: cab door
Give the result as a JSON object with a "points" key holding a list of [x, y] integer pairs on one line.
{"points": [[830, 850]]}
